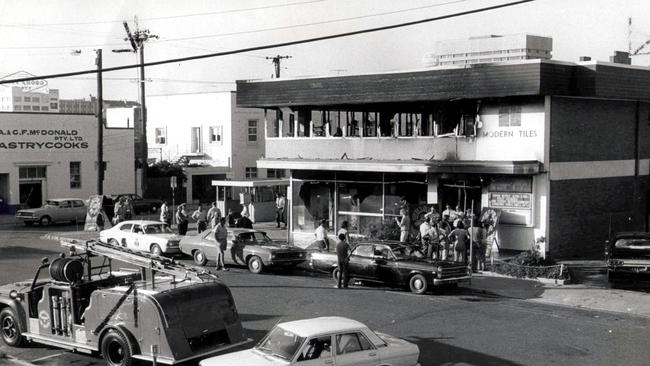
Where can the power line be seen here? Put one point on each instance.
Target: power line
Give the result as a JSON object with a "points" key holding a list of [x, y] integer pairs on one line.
{"points": [[257, 30], [276, 45], [170, 16]]}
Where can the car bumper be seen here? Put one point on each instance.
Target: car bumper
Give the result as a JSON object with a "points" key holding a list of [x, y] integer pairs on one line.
{"points": [[284, 262], [442, 281], [175, 250]]}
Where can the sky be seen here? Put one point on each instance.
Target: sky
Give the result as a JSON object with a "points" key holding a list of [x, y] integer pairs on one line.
{"points": [[40, 36]]}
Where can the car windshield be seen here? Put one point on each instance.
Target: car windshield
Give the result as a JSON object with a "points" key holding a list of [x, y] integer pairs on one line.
{"points": [[157, 229], [633, 243], [280, 343]]}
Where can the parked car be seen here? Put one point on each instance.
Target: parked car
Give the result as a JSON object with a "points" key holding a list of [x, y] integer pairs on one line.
{"points": [[141, 204], [249, 247], [323, 341], [142, 235], [54, 210], [392, 263], [628, 256]]}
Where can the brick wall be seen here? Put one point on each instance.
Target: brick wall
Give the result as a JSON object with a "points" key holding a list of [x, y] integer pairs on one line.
{"points": [[580, 211]]}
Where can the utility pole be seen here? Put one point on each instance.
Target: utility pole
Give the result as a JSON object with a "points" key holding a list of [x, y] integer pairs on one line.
{"points": [[100, 124], [137, 40], [276, 61]]}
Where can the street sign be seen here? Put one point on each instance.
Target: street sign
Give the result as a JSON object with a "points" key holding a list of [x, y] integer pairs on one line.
{"points": [[172, 181]]}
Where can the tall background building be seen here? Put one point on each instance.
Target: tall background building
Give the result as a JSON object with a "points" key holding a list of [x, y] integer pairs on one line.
{"points": [[487, 49]]}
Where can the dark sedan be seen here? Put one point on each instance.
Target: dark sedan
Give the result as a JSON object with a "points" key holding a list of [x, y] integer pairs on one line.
{"points": [[395, 264], [247, 247], [628, 256]]}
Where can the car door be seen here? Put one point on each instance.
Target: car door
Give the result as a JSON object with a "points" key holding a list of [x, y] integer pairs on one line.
{"points": [[362, 264], [123, 234], [387, 270], [237, 245], [64, 211], [136, 238], [354, 349], [78, 210], [316, 351], [208, 244]]}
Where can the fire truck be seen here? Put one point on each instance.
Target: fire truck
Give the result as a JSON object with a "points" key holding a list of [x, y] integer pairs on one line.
{"points": [[160, 311]]}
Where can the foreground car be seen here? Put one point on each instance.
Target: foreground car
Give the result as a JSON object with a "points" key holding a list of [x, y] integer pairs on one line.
{"points": [[395, 264], [252, 248], [142, 235], [628, 256], [323, 341], [54, 210]]}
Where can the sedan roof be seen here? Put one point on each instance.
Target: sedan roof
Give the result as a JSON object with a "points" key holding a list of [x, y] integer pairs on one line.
{"points": [[321, 325]]}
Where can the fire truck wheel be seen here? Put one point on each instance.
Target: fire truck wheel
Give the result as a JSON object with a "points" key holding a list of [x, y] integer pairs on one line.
{"points": [[11, 333], [155, 249], [116, 349], [255, 264], [199, 258], [418, 284]]}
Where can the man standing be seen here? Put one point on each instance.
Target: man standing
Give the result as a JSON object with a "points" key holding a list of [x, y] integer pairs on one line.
{"points": [[201, 219], [429, 237], [221, 236], [280, 203], [404, 224], [165, 214], [214, 215], [119, 211], [181, 219], [128, 205], [460, 237], [321, 235], [342, 256]]}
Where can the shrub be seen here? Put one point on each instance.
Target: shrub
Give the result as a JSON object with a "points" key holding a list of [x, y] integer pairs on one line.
{"points": [[530, 264]]}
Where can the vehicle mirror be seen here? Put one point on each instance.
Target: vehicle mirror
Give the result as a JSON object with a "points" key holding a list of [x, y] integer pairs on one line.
{"points": [[45, 260]]}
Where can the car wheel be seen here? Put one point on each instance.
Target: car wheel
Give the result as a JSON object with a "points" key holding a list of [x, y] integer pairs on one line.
{"points": [[113, 242], [45, 221], [116, 349], [155, 250], [11, 333], [199, 258], [255, 264], [336, 272], [418, 284]]}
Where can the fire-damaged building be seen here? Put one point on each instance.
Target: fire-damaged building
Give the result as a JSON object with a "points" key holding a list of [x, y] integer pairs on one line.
{"points": [[560, 150]]}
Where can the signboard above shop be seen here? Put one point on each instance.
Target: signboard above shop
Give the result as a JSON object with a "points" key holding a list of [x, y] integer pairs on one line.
{"points": [[31, 86]]}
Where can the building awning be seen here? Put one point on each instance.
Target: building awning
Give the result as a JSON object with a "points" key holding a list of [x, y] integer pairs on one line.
{"points": [[527, 167], [251, 183]]}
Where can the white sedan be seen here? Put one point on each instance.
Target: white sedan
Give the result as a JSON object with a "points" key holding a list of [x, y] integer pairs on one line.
{"points": [[148, 236], [323, 341]]}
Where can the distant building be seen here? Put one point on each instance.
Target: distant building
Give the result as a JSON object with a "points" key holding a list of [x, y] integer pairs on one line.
{"points": [[17, 99], [85, 106], [488, 49]]}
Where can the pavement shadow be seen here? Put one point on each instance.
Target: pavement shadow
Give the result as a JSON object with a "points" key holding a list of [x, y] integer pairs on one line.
{"points": [[22, 252], [433, 353], [505, 287]]}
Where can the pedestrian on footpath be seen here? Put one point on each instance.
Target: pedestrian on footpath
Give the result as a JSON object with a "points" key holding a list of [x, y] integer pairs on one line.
{"points": [[321, 235], [221, 236], [214, 215], [404, 224], [119, 211], [181, 219], [343, 259], [280, 203], [478, 241], [460, 238], [129, 211], [165, 214], [345, 231], [200, 217]]}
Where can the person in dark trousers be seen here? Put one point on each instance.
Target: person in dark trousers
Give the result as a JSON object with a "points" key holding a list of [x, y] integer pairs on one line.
{"points": [[221, 236], [343, 258], [280, 203], [181, 219]]}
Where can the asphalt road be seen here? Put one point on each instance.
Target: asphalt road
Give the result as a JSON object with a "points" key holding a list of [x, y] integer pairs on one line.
{"points": [[452, 327]]}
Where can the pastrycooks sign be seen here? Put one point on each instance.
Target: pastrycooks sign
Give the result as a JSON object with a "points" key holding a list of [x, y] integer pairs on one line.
{"points": [[36, 139]]}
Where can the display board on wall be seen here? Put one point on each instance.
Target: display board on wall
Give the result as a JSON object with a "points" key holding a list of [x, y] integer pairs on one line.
{"points": [[514, 197]]}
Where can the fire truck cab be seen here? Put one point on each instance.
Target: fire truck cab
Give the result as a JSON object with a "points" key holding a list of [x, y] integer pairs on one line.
{"points": [[180, 315]]}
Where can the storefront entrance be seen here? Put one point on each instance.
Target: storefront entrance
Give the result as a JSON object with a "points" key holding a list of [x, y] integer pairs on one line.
{"points": [[460, 193], [31, 194]]}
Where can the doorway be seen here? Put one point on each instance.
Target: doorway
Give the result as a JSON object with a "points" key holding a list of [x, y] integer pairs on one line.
{"points": [[460, 192], [31, 194]]}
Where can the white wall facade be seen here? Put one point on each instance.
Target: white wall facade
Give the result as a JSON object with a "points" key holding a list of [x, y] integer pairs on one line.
{"points": [[53, 141]]}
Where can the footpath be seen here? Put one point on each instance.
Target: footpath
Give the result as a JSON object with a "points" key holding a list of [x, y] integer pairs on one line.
{"points": [[591, 292]]}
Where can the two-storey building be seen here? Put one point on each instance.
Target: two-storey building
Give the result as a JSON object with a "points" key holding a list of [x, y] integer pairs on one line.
{"points": [[560, 149]]}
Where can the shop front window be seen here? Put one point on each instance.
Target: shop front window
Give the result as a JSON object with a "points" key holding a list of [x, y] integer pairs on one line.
{"points": [[312, 202]]}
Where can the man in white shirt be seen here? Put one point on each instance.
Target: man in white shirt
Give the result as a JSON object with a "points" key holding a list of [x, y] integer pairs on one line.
{"points": [[321, 235], [280, 203]]}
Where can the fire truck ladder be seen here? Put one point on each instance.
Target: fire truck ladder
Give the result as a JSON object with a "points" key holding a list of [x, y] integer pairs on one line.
{"points": [[155, 263]]}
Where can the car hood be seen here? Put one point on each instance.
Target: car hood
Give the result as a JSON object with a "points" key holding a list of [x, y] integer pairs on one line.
{"points": [[249, 357], [29, 210], [18, 286], [282, 247]]}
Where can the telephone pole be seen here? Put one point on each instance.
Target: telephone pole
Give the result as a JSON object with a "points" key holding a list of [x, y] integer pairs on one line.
{"points": [[100, 124], [276, 61], [137, 40]]}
